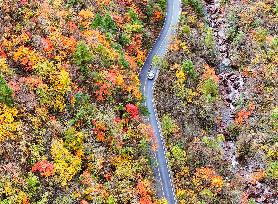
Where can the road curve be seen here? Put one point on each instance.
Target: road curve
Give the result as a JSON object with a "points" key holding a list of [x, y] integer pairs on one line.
{"points": [[162, 172]]}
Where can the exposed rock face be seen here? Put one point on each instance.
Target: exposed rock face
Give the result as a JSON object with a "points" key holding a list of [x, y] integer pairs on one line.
{"points": [[231, 87], [217, 21], [231, 81]]}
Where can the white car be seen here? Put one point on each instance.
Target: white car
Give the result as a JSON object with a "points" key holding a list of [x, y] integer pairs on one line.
{"points": [[151, 74]]}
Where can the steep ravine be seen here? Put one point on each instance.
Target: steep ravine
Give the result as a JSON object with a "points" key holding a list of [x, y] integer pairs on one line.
{"points": [[231, 86], [232, 90]]}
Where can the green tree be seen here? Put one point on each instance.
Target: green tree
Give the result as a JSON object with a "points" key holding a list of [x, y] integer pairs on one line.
{"points": [[108, 23], [156, 61], [5, 92], [168, 125], [197, 5], [210, 90], [189, 68], [97, 21], [209, 41], [83, 56], [272, 170]]}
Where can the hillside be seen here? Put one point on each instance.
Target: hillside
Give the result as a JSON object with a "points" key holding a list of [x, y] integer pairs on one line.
{"points": [[216, 96], [71, 128]]}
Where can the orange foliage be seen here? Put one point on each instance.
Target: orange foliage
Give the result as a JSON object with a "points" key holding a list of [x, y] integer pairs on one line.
{"points": [[102, 39], [157, 15], [102, 91], [137, 39], [72, 26], [111, 77], [100, 130], [257, 176], [147, 130], [115, 78], [144, 193], [86, 14], [207, 174], [132, 110], [175, 45], [105, 2], [14, 86], [141, 56], [25, 200], [209, 73], [86, 178], [243, 115], [69, 43], [27, 57], [145, 201], [47, 45], [108, 176], [131, 62], [23, 2], [119, 20], [244, 198]]}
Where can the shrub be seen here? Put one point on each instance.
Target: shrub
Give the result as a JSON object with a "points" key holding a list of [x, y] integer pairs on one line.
{"points": [[123, 61], [73, 2], [132, 110], [274, 117], [5, 92], [124, 39], [162, 4], [209, 89], [178, 156], [272, 170], [209, 41], [189, 68], [83, 110], [53, 95], [168, 125], [196, 5], [45, 69], [108, 23], [74, 140], [32, 183], [44, 167], [4, 67], [144, 110], [105, 55], [133, 15], [157, 61], [214, 143], [97, 21]]}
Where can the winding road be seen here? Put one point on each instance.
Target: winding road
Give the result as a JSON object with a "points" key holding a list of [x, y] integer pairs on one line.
{"points": [[159, 49]]}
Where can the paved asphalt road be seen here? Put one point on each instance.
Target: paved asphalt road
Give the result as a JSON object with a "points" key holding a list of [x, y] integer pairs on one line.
{"points": [[160, 48]]}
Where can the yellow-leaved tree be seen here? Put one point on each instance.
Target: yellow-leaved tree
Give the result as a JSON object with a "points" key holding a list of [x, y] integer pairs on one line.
{"points": [[66, 164], [9, 126]]}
